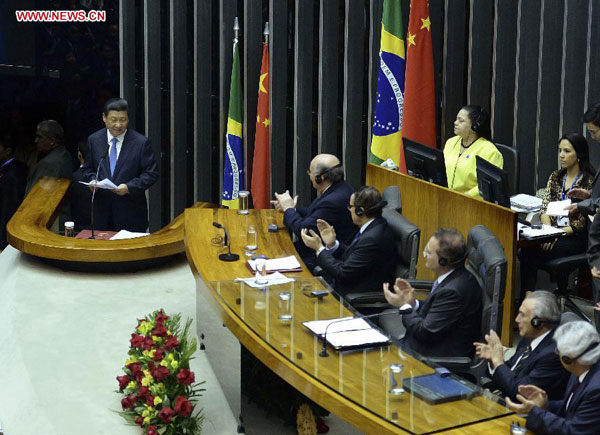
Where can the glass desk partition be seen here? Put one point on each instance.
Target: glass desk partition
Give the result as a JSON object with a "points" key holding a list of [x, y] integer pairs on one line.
{"points": [[275, 314]]}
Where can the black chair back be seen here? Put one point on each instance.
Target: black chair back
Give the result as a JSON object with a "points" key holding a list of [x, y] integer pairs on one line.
{"points": [[392, 196], [406, 237], [487, 262], [511, 166]]}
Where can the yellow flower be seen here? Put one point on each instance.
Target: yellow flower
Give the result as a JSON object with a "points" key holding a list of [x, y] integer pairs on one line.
{"points": [[157, 400], [131, 385], [145, 412], [156, 339], [170, 357], [164, 363], [132, 359], [147, 380], [148, 353], [146, 420], [174, 364]]}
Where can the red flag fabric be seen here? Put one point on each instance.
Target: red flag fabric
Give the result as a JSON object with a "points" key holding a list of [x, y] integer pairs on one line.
{"points": [[419, 94], [261, 165]]}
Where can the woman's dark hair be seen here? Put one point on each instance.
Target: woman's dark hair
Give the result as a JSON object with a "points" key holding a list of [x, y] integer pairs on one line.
{"points": [[480, 120], [582, 149]]}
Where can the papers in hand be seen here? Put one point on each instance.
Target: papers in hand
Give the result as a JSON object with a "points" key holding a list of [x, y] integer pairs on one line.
{"points": [[351, 333], [527, 232], [557, 208], [284, 264], [104, 184], [272, 279], [124, 234]]}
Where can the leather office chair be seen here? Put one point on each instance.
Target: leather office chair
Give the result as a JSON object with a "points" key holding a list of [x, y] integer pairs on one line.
{"points": [[511, 166], [487, 262], [559, 270], [407, 237], [392, 196]]}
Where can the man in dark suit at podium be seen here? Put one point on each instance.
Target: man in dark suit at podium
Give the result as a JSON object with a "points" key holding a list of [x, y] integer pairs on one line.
{"points": [[13, 177], [535, 361], [333, 193], [126, 158], [369, 259], [578, 346], [449, 320]]}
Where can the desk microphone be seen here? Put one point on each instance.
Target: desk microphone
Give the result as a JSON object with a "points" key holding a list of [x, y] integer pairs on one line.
{"points": [[324, 353], [94, 191], [226, 242]]}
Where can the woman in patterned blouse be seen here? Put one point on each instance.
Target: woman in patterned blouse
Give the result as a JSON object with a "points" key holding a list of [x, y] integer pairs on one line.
{"points": [[575, 171]]}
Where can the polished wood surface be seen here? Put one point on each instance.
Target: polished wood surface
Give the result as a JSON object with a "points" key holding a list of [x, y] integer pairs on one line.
{"points": [[353, 385], [431, 207], [28, 232]]}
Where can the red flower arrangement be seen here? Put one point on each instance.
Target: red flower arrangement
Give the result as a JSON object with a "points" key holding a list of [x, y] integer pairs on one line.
{"points": [[159, 389]]}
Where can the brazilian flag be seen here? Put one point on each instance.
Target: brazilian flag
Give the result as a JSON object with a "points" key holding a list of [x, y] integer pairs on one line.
{"points": [[233, 170], [386, 141]]}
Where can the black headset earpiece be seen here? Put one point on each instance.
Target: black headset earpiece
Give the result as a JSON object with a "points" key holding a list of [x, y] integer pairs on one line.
{"points": [[570, 360], [538, 322], [476, 125], [360, 210], [325, 172]]}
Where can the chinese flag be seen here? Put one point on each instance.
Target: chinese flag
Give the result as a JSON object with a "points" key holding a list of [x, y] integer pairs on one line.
{"points": [[419, 94], [261, 165]]}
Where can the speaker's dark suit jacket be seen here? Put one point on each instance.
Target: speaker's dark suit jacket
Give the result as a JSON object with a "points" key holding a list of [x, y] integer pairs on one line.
{"points": [[541, 368], [589, 207], [331, 206], [449, 320], [366, 263], [13, 178], [583, 414], [136, 167]]}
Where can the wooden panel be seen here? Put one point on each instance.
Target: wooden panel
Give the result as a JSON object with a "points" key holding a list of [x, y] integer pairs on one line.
{"points": [[329, 64], [278, 21], [152, 103], [431, 207], [527, 92], [303, 147], [574, 65], [549, 98], [28, 232], [503, 83], [455, 41], [353, 386], [206, 179], [353, 133]]}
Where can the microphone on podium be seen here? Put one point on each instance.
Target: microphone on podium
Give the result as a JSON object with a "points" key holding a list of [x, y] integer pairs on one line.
{"points": [[94, 191], [226, 242], [324, 353]]}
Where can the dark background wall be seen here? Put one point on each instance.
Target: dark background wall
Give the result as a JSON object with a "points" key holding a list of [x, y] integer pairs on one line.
{"points": [[533, 63]]}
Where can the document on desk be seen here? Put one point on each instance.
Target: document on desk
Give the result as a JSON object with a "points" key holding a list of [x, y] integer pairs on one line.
{"points": [[104, 184], [348, 333], [124, 234], [557, 208], [527, 232], [284, 264]]}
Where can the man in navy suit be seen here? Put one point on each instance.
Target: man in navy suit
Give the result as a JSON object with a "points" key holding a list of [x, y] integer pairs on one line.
{"points": [[535, 361], [578, 346], [370, 259], [126, 158], [333, 193], [449, 320]]}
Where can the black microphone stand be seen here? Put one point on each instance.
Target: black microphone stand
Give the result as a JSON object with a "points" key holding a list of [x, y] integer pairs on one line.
{"points": [[94, 194], [226, 242]]}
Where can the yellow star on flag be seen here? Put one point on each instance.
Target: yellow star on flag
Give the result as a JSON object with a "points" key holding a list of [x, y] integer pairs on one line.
{"points": [[266, 122], [411, 39], [426, 24]]}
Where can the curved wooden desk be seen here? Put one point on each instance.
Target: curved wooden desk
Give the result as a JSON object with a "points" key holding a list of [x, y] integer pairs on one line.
{"points": [[28, 232], [354, 386]]}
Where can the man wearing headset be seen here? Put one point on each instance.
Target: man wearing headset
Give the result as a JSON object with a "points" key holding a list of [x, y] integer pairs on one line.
{"points": [[535, 361], [369, 259], [578, 346], [449, 320], [333, 193]]}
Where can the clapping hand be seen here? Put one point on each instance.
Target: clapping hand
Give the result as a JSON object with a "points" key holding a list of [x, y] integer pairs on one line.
{"points": [[492, 350], [284, 201], [529, 396], [595, 272], [402, 293], [327, 233], [311, 239]]}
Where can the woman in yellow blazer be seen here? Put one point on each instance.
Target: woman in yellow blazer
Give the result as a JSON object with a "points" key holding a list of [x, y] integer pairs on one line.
{"points": [[472, 129]]}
